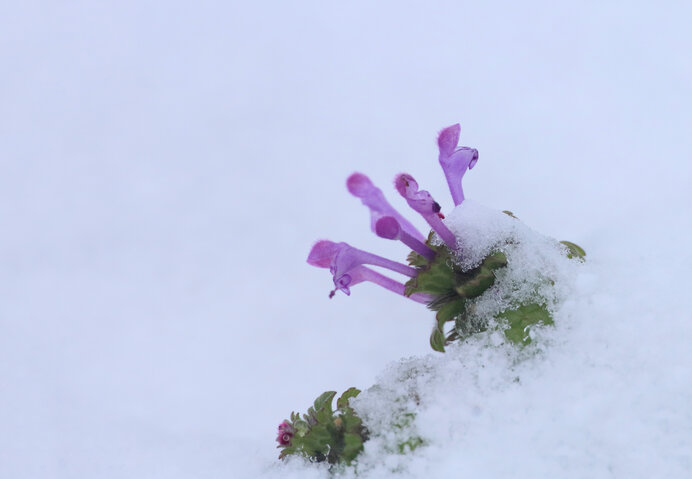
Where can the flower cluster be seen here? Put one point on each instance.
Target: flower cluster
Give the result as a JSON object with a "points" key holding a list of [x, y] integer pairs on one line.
{"points": [[458, 287], [346, 263], [286, 432], [324, 434]]}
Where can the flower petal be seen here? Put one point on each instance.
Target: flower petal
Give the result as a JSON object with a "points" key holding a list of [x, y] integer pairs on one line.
{"points": [[455, 160], [361, 187], [448, 139], [388, 227], [349, 257], [322, 253], [423, 203]]}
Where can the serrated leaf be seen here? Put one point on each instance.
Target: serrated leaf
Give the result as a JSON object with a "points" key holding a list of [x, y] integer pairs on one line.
{"points": [[324, 415], [436, 279], [325, 401], [285, 452], [342, 402], [317, 440], [351, 423], [326, 436], [521, 319], [410, 445], [437, 339], [450, 311], [301, 427], [353, 445], [416, 260], [574, 250]]}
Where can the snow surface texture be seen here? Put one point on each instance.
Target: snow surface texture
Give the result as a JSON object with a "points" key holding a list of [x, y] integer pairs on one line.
{"points": [[544, 410], [537, 272], [165, 170], [574, 403]]}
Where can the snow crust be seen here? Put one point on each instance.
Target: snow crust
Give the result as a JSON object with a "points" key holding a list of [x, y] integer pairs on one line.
{"points": [[579, 401], [448, 395], [538, 270]]}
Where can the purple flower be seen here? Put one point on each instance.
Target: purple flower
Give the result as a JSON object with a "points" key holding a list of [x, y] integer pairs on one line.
{"points": [[342, 257], [455, 160], [347, 264], [388, 227], [322, 253], [285, 434], [360, 186], [347, 257], [424, 204]]}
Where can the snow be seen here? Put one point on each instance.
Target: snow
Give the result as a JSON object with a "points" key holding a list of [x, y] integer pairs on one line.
{"points": [[557, 408], [597, 395], [164, 172], [592, 396], [538, 269]]}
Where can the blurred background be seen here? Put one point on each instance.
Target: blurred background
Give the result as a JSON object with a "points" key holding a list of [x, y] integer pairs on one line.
{"points": [[166, 166]]}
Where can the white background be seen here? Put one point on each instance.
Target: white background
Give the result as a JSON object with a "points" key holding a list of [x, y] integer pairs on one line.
{"points": [[166, 166]]}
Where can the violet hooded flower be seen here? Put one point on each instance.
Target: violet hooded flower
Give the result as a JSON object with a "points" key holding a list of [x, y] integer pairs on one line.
{"points": [[346, 263], [361, 187], [424, 204], [455, 160]]}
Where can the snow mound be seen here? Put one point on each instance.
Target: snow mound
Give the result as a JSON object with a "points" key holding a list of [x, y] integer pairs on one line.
{"points": [[538, 269], [600, 393]]}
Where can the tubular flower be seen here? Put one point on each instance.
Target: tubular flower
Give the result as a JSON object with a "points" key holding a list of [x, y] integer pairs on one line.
{"points": [[455, 160], [423, 203], [388, 227], [361, 187], [347, 264], [435, 273]]}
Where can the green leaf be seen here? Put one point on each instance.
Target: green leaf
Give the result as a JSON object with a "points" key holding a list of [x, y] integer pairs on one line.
{"points": [[437, 279], [351, 423], [326, 436], [450, 311], [317, 441], [416, 260], [574, 250], [311, 416], [410, 445], [404, 421], [478, 280], [521, 319], [301, 427], [286, 451], [325, 401], [342, 402], [353, 445], [324, 415], [495, 261], [437, 339]]}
